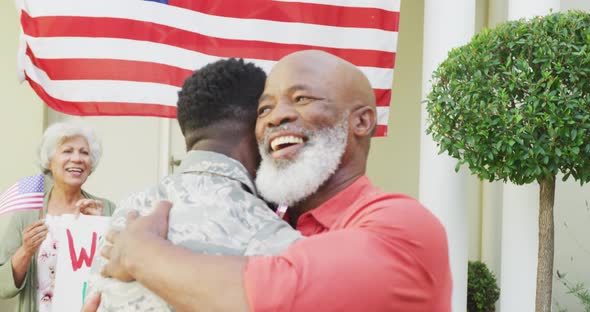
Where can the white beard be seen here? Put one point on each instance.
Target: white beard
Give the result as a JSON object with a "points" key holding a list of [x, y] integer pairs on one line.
{"points": [[288, 181]]}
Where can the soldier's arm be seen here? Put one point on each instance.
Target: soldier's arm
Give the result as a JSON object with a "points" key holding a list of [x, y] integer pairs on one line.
{"points": [[140, 252]]}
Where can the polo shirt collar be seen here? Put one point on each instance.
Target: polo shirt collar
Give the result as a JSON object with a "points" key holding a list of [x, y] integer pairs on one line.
{"points": [[329, 212]]}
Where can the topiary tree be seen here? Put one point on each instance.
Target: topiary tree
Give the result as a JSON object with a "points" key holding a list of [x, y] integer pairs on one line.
{"points": [[514, 104], [482, 288]]}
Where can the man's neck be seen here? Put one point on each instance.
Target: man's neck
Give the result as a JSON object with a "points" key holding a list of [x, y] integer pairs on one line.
{"points": [[335, 184], [212, 145], [235, 149]]}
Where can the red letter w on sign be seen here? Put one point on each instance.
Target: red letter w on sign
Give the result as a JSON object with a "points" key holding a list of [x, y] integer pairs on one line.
{"points": [[77, 261]]}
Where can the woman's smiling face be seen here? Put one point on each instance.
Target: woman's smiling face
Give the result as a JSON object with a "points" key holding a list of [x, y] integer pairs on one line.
{"points": [[70, 163]]}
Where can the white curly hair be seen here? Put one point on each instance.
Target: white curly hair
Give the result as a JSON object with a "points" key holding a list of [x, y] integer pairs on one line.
{"points": [[56, 134]]}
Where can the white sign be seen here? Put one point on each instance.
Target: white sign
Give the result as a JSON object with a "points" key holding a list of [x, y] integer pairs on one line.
{"points": [[79, 245]]}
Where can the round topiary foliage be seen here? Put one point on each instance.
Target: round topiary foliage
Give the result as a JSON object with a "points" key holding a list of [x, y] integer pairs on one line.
{"points": [[482, 289], [514, 103]]}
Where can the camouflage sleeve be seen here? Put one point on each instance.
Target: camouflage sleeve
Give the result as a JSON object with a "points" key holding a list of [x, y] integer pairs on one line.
{"points": [[273, 234], [116, 295]]}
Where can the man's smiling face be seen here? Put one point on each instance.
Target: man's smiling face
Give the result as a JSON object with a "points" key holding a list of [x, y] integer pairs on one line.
{"points": [[294, 95], [301, 131]]}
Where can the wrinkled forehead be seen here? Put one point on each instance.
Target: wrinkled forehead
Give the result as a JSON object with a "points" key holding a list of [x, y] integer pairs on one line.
{"points": [[291, 74]]}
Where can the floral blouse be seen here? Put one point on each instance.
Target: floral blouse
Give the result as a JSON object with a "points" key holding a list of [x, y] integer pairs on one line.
{"points": [[47, 260]]}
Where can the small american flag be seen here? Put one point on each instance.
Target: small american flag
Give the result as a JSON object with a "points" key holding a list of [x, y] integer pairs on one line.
{"points": [[123, 57], [26, 194]]}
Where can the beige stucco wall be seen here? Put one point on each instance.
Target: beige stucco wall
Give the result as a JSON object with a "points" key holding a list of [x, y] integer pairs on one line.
{"points": [[394, 160], [21, 111]]}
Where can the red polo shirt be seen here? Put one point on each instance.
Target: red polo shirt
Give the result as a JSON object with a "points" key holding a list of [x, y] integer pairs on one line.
{"points": [[367, 250]]}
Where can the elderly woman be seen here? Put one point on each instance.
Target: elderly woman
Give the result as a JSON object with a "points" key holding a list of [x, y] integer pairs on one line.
{"points": [[69, 152]]}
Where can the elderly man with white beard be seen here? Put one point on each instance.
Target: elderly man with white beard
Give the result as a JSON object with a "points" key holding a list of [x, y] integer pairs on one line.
{"points": [[366, 250]]}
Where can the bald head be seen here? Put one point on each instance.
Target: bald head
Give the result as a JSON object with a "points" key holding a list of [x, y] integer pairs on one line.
{"points": [[350, 83]]}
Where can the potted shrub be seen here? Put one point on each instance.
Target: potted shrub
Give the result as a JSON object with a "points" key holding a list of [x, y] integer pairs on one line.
{"points": [[482, 288]]}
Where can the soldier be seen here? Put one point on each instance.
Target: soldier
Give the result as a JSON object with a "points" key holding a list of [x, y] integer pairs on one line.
{"points": [[216, 208]]}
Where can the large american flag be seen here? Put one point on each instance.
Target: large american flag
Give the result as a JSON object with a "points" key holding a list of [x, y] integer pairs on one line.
{"points": [[129, 57], [25, 194]]}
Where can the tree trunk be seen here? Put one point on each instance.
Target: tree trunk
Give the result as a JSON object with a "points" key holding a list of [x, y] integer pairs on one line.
{"points": [[546, 246]]}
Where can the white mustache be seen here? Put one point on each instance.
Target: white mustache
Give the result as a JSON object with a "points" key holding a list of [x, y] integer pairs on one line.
{"points": [[284, 127]]}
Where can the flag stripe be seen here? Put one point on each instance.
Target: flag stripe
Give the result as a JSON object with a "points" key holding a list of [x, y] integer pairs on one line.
{"points": [[297, 12], [390, 5], [93, 108], [100, 90], [128, 91], [381, 131], [217, 27], [24, 199], [130, 109], [121, 49], [8, 197], [382, 115], [136, 30], [109, 69], [382, 97], [31, 206], [9, 192]]}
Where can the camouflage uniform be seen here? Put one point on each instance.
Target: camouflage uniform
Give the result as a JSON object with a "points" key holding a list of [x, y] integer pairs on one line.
{"points": [[216, 211]]}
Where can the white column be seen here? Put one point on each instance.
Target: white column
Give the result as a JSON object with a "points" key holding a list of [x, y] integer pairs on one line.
{"points": [[447, 24], [491, 227], [520, 212], [520, 215], [528, 8]]}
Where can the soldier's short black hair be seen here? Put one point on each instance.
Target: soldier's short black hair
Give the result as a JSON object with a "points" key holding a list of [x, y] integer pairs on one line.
{"points": [[226, 90]]}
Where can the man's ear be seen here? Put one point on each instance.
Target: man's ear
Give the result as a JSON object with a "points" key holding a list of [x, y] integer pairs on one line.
{"points": [[363, 121]]}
